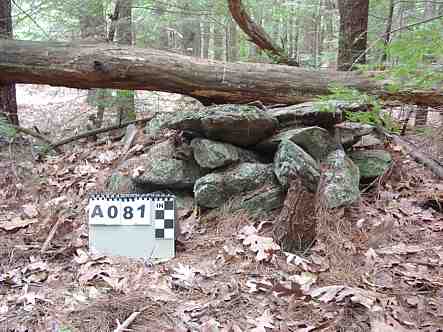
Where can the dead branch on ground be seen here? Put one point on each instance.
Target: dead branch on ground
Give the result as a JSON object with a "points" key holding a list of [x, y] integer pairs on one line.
{"points": [[95, 132]]}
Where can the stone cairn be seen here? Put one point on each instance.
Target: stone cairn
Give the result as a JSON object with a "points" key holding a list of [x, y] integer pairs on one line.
{"points": [[244, 157]]}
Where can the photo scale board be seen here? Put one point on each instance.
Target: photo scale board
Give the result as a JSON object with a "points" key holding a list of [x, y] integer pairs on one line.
{"points": [[132, 225]]}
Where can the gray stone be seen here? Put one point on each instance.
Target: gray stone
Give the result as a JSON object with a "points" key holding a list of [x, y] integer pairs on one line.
{"points": [[119, 183], [156, 124], [357, 129], [371, 163], [351, 132], [306, 114], [161, 170], [291, 160], [265, 199], [215, 189], [241, 125], [212, 154], [314, 140], [368, 141], [342, 177]]}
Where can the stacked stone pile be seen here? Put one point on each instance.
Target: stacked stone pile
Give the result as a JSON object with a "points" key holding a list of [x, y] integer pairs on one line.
{"points": [[243, 156]]}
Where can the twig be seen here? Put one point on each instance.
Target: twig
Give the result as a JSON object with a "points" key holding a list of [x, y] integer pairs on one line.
{"points": [[95, 132], [51, 235], [31, 133], [128, 321]]}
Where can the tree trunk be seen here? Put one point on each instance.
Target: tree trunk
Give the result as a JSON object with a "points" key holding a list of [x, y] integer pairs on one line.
{"points": [[206, 37], [387, 38], [353, 33], [253, 49], [92, 28], [219, 46], [8, 101], [125, 99], [190, 28], [120, 67], [232, 42]]}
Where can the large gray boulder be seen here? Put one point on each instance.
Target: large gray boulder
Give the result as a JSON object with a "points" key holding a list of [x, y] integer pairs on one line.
{"points": [[240, 125], [314, 140], [341, 180], [212, 154], [371, 163], [306, 114], [236, 184], [292, 161], [163, 168]]}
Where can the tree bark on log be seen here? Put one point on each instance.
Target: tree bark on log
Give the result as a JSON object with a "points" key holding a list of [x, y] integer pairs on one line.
{"points": [[87, 65]]}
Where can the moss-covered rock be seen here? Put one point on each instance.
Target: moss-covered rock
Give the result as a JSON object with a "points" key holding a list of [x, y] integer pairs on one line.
{"points": [[342, 178], [291, 160], [314, 140], [156, 124], [240, 125], [159, 169], [212, 154], [307, 114], [119, 183], [371, 163], [215, 189]]}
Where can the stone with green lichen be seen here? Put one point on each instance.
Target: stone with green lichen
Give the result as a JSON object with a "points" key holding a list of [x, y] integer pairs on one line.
{"points": [[265, 199], [307, 114], [159, 169], [155, 125], [119, 183], [371, 163], [292, 160], [342, 178], [314, 140], [247, 185], [240, 125], [213, 154]]}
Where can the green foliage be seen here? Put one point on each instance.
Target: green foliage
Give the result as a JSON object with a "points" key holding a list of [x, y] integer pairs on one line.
{"points": [[6, 130], [375, 116], [416, 54]]}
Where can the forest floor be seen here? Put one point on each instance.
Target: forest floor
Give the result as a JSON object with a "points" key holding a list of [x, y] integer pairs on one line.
{"points": [[376, 266]]}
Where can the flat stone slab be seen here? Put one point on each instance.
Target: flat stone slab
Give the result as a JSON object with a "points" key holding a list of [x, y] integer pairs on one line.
{"points": [[306, 114], [240, 125]]}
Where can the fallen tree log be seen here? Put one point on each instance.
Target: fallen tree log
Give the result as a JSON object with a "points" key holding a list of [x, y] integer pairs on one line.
{"points": [[87, 65]]}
